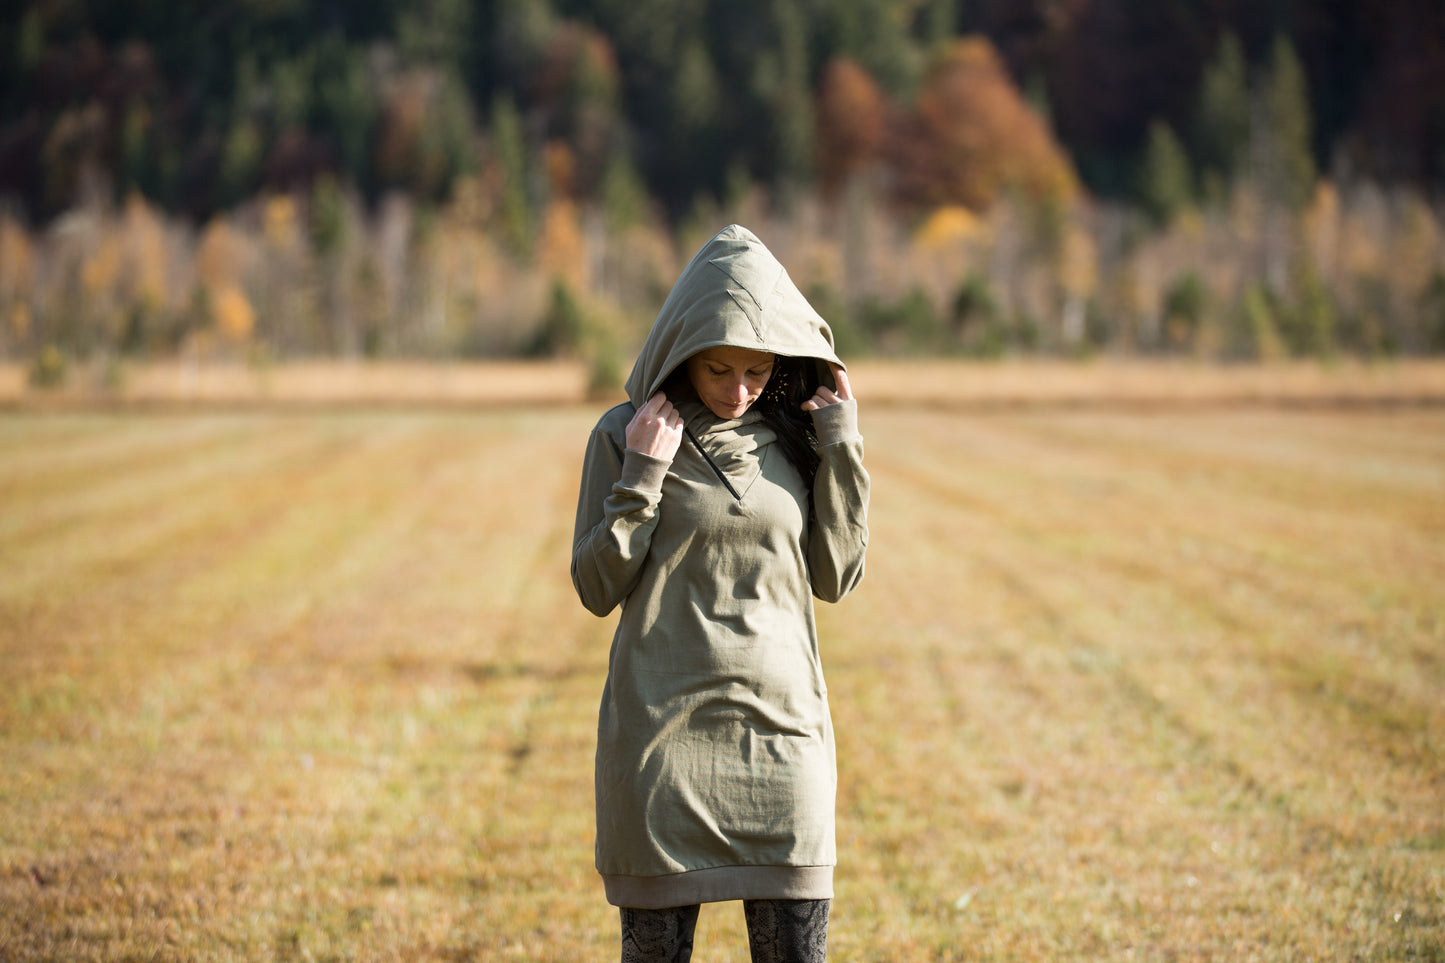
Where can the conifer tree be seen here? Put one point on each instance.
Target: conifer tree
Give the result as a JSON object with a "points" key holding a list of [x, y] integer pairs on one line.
{"points": [[1166, 181], [348, 106], [938, 21], [509, 148], [790, 100], [694, 111], [1283, 130], [1222, 123]]}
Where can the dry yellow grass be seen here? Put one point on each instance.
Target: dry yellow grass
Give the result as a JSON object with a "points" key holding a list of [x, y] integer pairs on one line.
{"points": [[950, 384], [308, 684]]}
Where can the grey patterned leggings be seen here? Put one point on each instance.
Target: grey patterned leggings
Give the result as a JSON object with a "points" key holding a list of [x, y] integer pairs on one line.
{"points": [[779, 931]]}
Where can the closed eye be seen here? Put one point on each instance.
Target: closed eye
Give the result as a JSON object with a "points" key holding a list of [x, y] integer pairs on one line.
{"points": [[752, 373]]}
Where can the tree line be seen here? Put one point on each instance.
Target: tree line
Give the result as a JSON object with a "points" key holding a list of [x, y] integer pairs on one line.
{"points": [[974, 176]]}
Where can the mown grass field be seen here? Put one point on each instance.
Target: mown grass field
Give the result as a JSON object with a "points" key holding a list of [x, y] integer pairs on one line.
{"points": [[306, 684]]}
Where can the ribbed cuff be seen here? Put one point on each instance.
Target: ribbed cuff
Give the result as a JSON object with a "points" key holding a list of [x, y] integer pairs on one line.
{"points": [[642, 472], [835, 423]]}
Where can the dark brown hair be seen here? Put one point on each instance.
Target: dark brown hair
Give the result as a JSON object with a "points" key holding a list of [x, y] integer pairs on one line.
{"points": [[794, 380]]}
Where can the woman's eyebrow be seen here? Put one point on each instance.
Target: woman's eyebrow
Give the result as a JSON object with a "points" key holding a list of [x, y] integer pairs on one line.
{"points": [[726, 366]]}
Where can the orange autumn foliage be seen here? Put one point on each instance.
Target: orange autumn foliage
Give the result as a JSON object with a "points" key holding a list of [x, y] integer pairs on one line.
{"points": [[972, 136], [852, 117]]}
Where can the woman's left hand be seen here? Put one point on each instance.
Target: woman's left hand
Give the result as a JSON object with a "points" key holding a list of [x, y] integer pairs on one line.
{"points": [[826, 396]]}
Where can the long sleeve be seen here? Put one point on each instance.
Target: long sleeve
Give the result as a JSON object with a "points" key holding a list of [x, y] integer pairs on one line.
{"points": [[616, 515], [838, 536]]}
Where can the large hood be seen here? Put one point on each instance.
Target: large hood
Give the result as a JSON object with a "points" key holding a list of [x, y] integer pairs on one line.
{"points": [[732, 292]]}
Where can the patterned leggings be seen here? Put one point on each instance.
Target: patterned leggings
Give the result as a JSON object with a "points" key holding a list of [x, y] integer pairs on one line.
{"points": [[779, 931]]}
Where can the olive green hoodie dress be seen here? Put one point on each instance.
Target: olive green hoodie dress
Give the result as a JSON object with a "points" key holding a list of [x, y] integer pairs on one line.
{"points": [[715, 774]]}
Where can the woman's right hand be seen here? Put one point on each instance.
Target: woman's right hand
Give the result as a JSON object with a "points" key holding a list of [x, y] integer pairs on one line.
{"points": [[656, 429]]}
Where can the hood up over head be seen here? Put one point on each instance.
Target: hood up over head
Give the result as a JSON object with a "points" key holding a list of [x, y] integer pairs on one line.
{"points": [[733, 292]]}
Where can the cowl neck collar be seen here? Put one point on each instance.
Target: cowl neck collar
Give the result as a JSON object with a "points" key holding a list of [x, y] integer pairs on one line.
{"points": [[700, 419], [734, 448]]}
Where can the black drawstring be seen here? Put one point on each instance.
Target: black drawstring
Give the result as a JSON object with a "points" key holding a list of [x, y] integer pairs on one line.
{"points": [[712, 464]]}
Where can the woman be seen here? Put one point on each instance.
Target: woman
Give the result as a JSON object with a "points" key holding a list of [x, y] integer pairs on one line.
{"points": [[714, 506]]}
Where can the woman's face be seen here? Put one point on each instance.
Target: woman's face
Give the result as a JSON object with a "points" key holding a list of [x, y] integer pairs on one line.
{"points": [[728, 379]]}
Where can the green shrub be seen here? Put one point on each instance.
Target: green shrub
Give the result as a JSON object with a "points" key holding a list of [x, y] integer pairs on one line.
{"points": [[564, 327], [849, 340], [1253, 332], [906, 325], [606, 370], [1184, 305], [1309, 326], [1432, 315], [49, 368], [975, 311]]}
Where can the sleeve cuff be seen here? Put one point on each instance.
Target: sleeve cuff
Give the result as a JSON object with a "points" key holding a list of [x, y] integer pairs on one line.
{"points": [[643, 472], [836, 423]]}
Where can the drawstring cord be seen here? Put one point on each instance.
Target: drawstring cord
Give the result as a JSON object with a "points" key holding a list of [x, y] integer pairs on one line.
{"points": [[712, 464]]}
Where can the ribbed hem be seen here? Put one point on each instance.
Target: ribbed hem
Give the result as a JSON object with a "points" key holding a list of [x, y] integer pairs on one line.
{"points": [[643, 473], [835, 423], [720, 884]]}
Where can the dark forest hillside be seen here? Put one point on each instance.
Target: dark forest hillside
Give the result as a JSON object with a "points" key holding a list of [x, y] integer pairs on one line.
{"points": [[203, 105], [273, 179]]}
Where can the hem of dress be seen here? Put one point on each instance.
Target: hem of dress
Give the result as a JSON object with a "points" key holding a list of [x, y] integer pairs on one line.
{"points": [[719, 884]]}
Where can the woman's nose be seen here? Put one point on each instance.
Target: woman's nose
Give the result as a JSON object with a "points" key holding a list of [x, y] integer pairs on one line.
{"points": [[740, 391]]}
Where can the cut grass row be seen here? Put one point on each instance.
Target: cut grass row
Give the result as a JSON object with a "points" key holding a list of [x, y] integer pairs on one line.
{"points": [[314, 685]]}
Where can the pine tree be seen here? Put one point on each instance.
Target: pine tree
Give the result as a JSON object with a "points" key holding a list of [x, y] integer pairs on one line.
{"points": [[873, 33], [1285, 158], [789, 101], [938, 21], [694, 105], [622, 192], [509, 147], [1222, 124], [1166, 182], [348, 106]]}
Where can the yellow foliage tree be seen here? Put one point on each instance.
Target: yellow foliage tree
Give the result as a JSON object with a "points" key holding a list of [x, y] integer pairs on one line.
{"points": [[146, 253], [17, 262], [948, 227], [282, 227], [216, 258], [17, 275], [560, 249], [102, 267], [221, 263], [234, 316]]}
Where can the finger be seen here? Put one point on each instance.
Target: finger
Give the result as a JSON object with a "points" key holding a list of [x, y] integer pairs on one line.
{"points": [[821, 399], [845, 390], [655, 403]]}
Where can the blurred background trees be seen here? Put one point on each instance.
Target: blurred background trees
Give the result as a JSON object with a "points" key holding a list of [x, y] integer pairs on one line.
{"points": [[262, 179]]}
